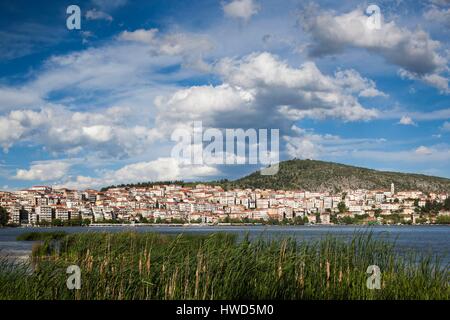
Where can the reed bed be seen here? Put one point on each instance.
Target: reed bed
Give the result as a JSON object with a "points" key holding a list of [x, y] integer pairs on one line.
{"points": [[217, 266]]}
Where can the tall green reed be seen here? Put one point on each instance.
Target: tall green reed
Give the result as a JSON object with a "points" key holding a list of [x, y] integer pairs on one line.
{"points": [[218, 266]]}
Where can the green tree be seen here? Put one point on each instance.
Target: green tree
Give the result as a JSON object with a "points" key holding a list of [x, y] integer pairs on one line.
{"points": [[447, 204], [4, 216], [273, 221], [421, 220], [199, 220], [57, 222], [318, 220], [392, 218], [299, 220], [378, 213], [334, 219], [347, 220], [443, 220], [342, 207], [45, 223]]}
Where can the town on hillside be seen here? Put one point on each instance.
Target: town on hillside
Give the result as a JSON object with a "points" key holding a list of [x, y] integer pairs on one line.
{"points": [[206, 204]]}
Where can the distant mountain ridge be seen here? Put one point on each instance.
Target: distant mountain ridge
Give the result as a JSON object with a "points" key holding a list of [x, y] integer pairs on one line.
{"points": [[320, 176], [314, 175]]}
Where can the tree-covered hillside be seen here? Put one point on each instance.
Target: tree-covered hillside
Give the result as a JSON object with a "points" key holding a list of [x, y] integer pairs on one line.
{"points": [[313, 175]]}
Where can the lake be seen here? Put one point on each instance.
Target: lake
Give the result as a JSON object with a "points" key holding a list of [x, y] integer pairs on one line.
{"points": [[425, 239]]}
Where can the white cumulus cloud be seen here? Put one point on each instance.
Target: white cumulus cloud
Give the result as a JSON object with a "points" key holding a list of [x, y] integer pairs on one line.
{"points": [[413, 51], [241, 9], [95, 14], [161, 169], [407, 121], [106, 133], [422, 150], [44, 171]]}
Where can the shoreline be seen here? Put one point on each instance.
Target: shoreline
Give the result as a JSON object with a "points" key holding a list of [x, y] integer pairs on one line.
{"points": [[432, 237], [178, 225]]}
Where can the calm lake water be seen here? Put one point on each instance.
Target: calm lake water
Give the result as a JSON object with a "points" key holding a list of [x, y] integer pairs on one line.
{"points": [[424, 239]]}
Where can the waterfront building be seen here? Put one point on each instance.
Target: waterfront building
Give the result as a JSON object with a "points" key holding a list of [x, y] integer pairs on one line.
{"points": [[44, 213]]}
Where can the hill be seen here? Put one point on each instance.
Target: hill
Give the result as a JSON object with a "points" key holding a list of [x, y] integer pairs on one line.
{"points": [[316, 175], [313, 175]]}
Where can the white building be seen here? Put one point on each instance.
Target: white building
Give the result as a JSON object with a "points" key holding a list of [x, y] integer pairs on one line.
{"points": [[62, 213], [44, 213], [14, 214]]}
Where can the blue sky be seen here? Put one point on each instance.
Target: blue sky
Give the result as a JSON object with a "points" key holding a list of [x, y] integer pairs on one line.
{"points": [[97, 106]]}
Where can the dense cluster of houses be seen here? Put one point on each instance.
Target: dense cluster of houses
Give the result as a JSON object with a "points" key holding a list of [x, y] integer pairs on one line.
{"points": [[208, 204]]}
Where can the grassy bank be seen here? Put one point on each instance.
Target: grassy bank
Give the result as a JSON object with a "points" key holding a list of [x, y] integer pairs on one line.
{"points": [[154, 266]]}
